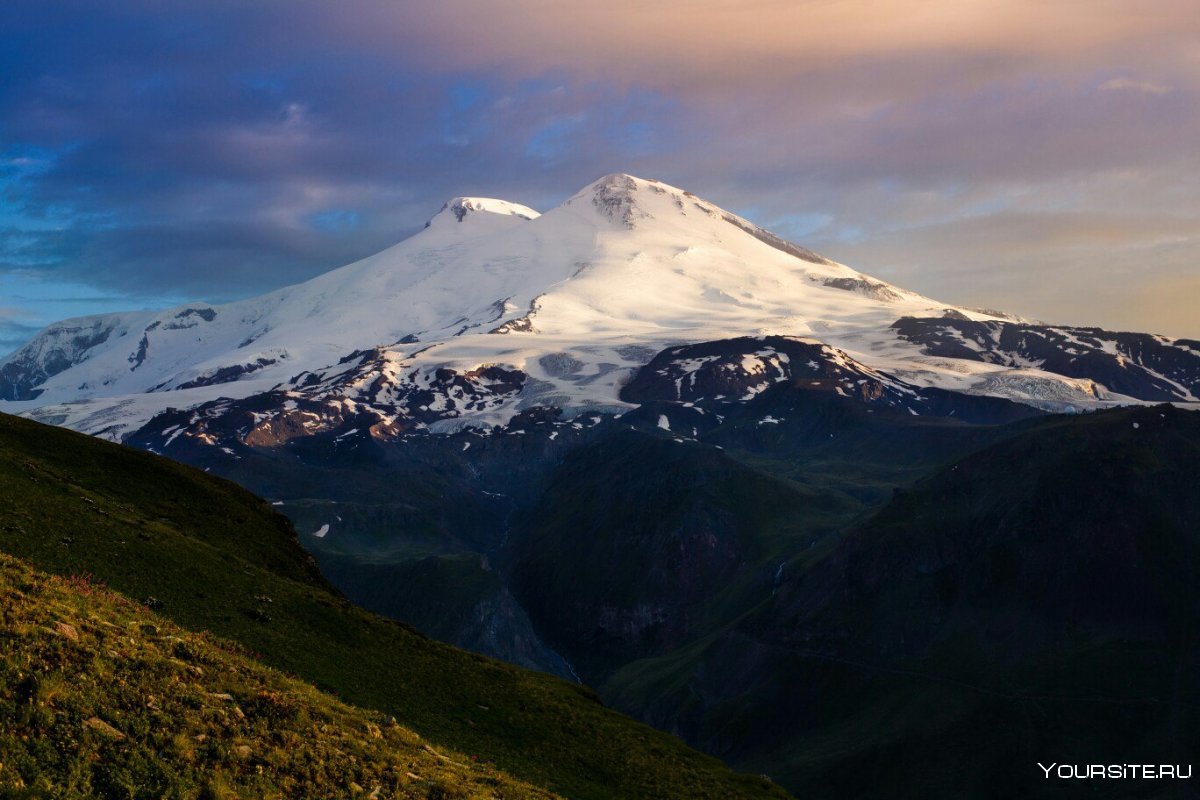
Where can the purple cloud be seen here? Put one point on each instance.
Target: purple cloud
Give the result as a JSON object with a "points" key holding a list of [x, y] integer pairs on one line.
{"points": [[209, 149]]}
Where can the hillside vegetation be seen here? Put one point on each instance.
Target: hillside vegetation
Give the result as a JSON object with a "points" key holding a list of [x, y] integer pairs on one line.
{"points": [[212, 557], [100, 697]]}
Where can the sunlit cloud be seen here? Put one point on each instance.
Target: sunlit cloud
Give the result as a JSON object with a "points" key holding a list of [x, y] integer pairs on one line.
{"points": [[966, 148], [1150, 87]]}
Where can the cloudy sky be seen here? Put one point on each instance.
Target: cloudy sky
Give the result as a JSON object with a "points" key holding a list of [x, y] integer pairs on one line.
{"points": [[1039, 156]]}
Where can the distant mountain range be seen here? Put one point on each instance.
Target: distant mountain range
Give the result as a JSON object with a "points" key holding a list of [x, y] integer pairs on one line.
{"points": [[826, 528]]}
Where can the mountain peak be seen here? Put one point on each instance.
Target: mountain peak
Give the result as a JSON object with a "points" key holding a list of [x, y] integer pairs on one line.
{"points": [[460, 208], [617, 180], [624, 182], [620, 197], [628, 200], [595, 286]]}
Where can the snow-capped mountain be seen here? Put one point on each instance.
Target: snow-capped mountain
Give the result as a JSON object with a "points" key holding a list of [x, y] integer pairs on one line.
{"points": [[494, 309]]}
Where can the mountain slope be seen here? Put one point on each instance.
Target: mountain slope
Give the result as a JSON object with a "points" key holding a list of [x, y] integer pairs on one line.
{"points": [[211, 557], [641, 543], [674, 521], [1034, 601], [100, 697], [494, 309], [605, 440]]}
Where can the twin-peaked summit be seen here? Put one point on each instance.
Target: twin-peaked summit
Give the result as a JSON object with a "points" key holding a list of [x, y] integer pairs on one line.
{"points": [[575, 300]]}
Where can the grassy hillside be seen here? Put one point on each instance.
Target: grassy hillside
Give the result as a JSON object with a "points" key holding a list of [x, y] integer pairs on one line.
{"points": [[211, 556], [100, 697]]}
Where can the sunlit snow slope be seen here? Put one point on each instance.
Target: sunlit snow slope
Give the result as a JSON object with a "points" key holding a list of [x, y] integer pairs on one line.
{"points": [[493, 308]]}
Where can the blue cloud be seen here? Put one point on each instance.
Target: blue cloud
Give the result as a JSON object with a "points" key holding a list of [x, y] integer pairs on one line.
{"points": [[335, 220]]}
